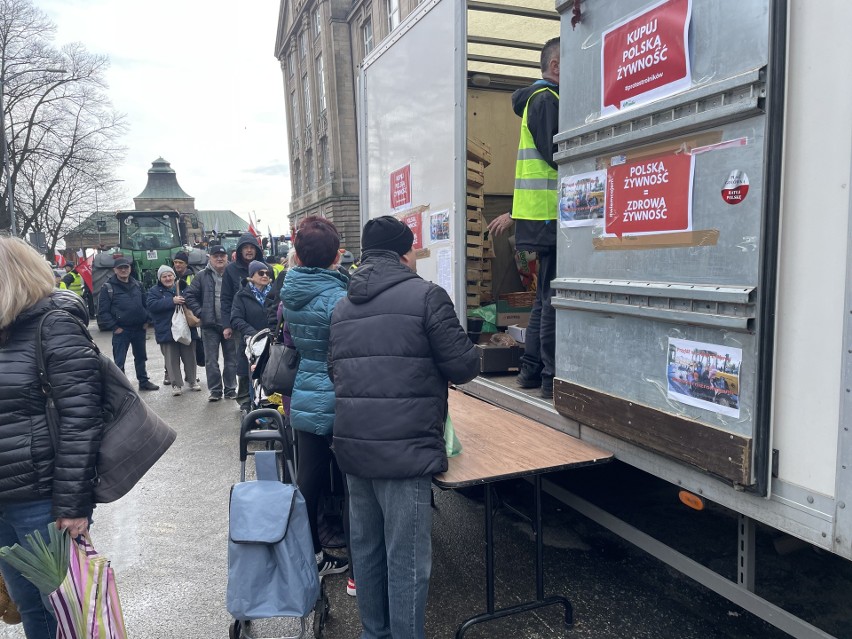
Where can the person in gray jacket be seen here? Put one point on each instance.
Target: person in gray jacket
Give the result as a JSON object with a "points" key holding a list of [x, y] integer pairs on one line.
{"points": [[204, 299], [395, 344]]}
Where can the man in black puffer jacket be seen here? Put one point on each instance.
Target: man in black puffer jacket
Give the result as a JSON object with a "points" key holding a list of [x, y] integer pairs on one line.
{"points": [[395, 343], [233, 280]]}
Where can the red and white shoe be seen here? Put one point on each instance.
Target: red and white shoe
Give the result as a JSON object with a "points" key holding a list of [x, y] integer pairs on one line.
{"points": [[350, 587]]}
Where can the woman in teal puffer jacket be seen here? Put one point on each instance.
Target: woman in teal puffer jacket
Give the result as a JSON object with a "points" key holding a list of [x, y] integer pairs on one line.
{"points": [[311, 291]]}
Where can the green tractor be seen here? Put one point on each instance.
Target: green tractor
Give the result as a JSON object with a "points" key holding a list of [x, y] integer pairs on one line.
{"points": [[150, 239]]}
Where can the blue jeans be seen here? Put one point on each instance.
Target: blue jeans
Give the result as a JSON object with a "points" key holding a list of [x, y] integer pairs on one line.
{"points": [[390, 527], [131, 337], [16, 521]]}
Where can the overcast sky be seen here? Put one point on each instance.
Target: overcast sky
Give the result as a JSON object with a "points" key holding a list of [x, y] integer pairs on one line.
{"points": [[201, 87]]}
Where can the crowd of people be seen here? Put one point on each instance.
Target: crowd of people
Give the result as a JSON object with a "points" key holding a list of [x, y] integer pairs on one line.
{"points": [[378, 347]]}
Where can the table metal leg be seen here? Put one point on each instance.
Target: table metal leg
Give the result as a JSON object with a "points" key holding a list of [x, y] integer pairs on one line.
{"points": [[541, 600]]}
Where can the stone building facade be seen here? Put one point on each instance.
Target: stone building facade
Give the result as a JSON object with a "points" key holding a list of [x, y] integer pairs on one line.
{"points": [[320, 46]]}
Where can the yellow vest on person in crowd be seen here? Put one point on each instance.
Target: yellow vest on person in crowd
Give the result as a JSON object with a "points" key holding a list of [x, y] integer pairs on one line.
{"points": [[277, 268], [77, 284], [536, 182]]}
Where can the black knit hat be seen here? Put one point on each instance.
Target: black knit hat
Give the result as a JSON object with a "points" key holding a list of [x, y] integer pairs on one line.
{"points": [[182, 256], [387, 233]]}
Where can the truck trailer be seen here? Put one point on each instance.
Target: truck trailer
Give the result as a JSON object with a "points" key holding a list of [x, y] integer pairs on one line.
{"points": [[703, 308]]}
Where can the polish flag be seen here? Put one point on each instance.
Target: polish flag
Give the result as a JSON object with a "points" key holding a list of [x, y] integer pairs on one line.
{"points": [[253, 229], [84, 268], [59, 259]]}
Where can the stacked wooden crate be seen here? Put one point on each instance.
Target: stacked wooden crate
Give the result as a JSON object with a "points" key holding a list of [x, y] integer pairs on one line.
{"points": [[479, 251]]}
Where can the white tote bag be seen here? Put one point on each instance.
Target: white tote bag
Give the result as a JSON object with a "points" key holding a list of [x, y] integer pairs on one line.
{"points": [[180, 328]]}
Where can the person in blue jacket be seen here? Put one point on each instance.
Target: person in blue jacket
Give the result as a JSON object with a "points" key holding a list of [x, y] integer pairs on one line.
{"points": [[162, 301], [311, 290], [123, 311]]}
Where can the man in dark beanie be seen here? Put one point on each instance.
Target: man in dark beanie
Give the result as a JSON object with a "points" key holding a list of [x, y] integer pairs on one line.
{"points": [[395, 344]]}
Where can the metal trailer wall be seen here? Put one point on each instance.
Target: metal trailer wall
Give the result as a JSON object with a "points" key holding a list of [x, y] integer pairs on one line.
{"points": [[808, 488]]}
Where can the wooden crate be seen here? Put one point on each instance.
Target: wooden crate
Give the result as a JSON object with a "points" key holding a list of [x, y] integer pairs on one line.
{"points": [[478, 151]]}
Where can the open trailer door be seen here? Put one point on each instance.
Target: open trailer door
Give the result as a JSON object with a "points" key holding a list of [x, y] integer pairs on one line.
{"points": [[411, 120]]}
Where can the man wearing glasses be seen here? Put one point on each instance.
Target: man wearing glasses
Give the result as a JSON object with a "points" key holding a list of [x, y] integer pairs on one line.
{"points": [[122, 309]]}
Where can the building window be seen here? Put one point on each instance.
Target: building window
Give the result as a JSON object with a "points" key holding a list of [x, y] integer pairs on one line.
{"points": [[306, 96], [310, 176], [303, 46], [291, 64], [393, 14], [323, 159], [317, 23], [367, 33], [320, 84], [297, 179], [294, 111]]}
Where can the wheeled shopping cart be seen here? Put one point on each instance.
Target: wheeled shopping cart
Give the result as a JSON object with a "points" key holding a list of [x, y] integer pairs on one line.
{"points": [[271, 567]]}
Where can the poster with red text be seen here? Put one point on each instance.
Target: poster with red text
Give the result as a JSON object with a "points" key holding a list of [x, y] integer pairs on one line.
{"points": [[650, 196], [414, 221], [646, 57], [400, 188]]}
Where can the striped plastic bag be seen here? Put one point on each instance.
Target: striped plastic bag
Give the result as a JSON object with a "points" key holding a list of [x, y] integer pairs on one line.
{"points": [[86, 603]]}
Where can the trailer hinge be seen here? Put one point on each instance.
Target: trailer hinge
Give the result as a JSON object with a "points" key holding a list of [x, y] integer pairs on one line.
{"points": [[775, 463]]}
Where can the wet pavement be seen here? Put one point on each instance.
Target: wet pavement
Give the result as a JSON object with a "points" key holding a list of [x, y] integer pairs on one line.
{"points": [[167, 541]]}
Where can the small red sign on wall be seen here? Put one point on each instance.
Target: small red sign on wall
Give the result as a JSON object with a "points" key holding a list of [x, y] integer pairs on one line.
{"points": [[646, 57], [415, 223], [653, 195], [400, 187]]}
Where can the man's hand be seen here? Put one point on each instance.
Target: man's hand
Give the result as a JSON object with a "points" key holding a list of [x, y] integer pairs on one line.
{"points": [[227, 333], [118, 331], [499, 224]]}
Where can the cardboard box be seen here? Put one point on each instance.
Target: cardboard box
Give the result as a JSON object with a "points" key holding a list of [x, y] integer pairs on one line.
{"points": [[518, 332], [494, 358], [509, 315]]}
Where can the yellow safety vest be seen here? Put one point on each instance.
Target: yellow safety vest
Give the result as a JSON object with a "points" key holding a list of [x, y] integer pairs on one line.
{"points": [[277, 268], [536, 182], [77, 284]]}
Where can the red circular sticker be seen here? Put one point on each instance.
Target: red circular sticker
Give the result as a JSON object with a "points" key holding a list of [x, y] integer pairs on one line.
{"points": [[736, 187]]}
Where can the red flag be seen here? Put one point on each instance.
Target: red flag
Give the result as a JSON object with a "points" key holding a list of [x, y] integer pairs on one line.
{"points": [[84, 268], [59, 259]]}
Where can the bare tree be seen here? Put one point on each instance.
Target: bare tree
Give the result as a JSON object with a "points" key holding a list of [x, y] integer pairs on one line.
{"points": [[61, 129]]}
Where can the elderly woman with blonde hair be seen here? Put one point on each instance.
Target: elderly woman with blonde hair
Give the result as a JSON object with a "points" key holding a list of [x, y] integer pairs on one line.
{"points": [[45, 479]]}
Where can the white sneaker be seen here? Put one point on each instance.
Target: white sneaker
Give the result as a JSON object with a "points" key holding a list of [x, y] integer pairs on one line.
{"points": [[194, 386], [176, 390]]}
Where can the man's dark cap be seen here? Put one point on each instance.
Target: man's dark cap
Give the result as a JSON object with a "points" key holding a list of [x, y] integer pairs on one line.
{"points": [[387, 233], [218, 249], [121, 261]]}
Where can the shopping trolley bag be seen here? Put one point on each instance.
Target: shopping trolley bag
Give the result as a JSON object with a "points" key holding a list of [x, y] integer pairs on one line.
{"points": [[272, 571]]}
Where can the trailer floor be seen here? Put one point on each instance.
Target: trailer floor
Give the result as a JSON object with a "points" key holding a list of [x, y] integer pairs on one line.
{"points": [[809, 582]]}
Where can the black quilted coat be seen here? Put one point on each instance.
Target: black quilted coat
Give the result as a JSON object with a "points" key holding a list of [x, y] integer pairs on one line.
{"points": [[29, 468], [395, 343]]}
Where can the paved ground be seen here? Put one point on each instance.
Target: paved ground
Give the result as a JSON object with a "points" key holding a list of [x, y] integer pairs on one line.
{"points": [[168, 543]]}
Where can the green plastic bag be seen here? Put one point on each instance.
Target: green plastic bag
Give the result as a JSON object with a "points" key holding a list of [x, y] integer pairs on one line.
{"points": [[488, 315], [451, 441]]}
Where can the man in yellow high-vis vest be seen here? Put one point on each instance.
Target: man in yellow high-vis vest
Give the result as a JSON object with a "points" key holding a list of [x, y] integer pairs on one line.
{"points": [[534, 211], [73, 280]]}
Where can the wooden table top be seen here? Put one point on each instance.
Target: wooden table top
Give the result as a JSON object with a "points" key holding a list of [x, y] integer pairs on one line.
{"points": [[498, 444]]}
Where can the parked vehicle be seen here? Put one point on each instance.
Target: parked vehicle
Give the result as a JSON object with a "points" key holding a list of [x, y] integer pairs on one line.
{"points": [[736, 268]]}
